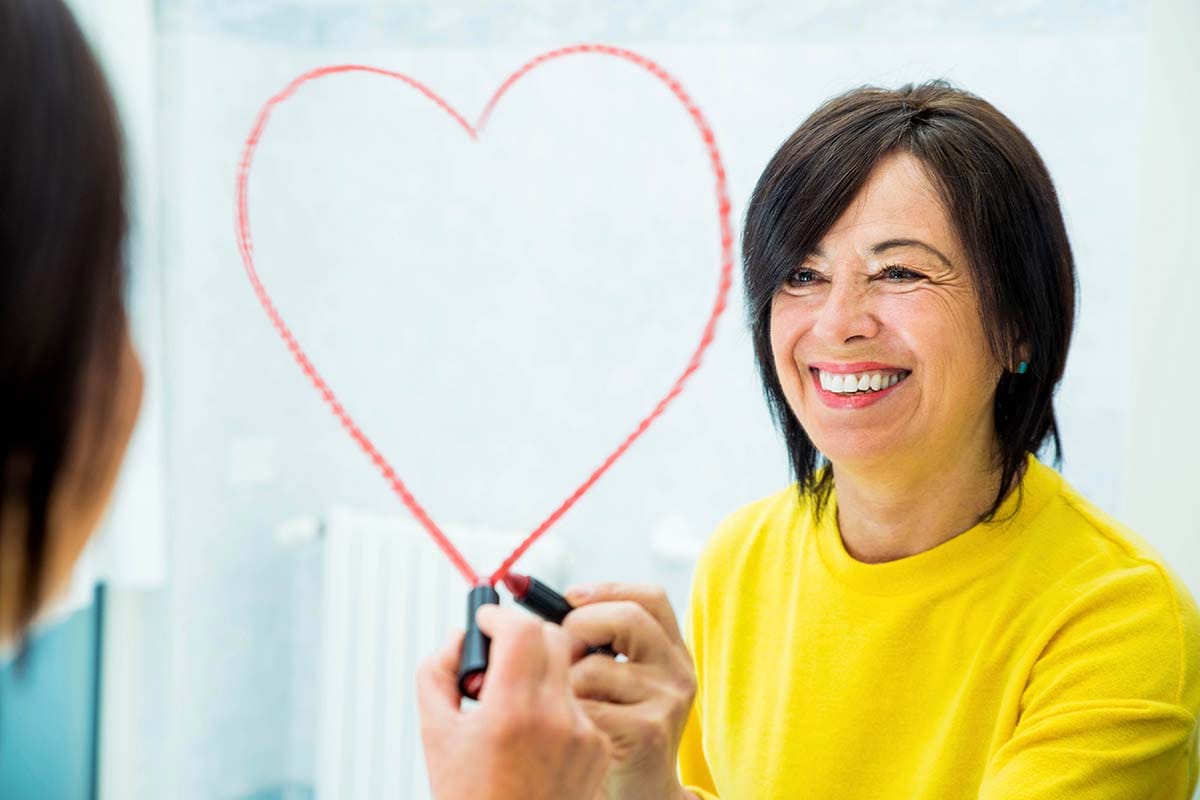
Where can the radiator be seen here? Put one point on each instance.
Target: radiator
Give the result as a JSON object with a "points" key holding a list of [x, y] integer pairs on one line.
{"points": [[390, 599]]}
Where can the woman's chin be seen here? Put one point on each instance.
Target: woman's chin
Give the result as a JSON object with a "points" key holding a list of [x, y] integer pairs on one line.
{"points": [[862, 448]]}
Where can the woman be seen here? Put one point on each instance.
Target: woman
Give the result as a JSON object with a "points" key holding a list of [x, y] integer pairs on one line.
{"points": [[71, 386], [928, 611]]}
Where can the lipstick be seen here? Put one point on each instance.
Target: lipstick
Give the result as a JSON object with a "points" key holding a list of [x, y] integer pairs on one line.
{"points": [[545, 602]]}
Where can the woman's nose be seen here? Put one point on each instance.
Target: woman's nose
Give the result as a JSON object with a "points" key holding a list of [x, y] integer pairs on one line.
{"points": [[846, 314]]}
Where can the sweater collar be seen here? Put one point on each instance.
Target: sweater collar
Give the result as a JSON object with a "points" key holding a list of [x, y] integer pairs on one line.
{"points": [[963, 557]]}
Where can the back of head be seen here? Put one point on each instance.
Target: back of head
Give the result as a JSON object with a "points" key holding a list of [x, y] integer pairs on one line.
{"points": [[62, 225]]}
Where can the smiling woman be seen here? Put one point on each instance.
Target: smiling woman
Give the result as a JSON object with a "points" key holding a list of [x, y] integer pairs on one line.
{"points": [[928, 611], [991, 251], [901, 300]]}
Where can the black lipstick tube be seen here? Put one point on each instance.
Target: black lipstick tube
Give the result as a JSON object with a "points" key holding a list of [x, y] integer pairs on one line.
{"points": [[549, 605], [473, 660], [545, 602]]}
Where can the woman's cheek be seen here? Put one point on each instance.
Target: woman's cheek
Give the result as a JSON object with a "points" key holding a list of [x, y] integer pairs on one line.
{"points": [[784, 338]]}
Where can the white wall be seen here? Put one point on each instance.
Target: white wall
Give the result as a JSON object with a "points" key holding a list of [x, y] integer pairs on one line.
{"points": [[1161, 467]]}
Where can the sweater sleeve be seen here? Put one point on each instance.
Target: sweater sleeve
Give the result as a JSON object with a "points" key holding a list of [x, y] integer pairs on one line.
{"points": [[693, 766], [693, 769], [1109, 708]]}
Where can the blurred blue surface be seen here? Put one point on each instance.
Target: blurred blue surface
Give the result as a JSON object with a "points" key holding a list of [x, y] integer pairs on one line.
{"points": [[47, 714]]}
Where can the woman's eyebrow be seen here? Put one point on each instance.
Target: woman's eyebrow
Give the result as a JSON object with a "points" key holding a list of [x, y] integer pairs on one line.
{"points": [[892, 244]]}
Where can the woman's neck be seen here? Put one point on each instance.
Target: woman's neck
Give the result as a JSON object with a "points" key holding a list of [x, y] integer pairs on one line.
{"points": [[888, 512]]}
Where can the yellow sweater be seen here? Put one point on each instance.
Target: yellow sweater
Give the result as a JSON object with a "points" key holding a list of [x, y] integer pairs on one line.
{"points": [[1052, 656]]}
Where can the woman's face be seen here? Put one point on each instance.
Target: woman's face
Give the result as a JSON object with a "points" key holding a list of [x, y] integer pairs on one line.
{"points": [[876, 300]]}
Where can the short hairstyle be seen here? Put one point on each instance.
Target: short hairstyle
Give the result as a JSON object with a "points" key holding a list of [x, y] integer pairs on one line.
{"points": [[1001, 201], [62, 273]]}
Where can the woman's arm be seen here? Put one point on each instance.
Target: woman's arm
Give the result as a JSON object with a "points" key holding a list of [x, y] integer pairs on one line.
{"points": [[1110, 705]]}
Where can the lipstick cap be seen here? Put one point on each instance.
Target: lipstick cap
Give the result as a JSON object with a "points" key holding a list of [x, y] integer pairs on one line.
{"points": [[473, 661]]}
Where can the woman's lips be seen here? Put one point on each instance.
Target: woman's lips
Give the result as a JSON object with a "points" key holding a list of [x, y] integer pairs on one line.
{"points": [[852, 401], [857, 367]]}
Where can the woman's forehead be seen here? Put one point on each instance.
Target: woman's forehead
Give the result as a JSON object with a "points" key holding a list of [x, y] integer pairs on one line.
{"points": [[898, 203]]}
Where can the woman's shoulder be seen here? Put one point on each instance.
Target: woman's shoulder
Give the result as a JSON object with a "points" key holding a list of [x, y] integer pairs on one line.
{"points": [[1104, 574], [1094, 540]]}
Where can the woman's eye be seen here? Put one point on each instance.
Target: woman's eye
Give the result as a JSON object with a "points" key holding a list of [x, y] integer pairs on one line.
{"points": [[801, 277], [895, 272]]}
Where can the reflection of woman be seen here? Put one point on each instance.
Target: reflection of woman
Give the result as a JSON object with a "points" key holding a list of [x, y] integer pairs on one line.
{"points": [[935, 613], [71, 387], [70, 381]]}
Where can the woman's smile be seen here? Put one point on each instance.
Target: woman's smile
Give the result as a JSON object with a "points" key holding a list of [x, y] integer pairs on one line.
{"points": [[856, 389]]}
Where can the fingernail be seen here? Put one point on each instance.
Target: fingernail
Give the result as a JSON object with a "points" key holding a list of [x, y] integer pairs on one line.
{"points": [[583, 591]]}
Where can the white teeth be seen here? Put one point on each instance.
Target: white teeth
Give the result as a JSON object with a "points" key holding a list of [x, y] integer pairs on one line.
{"points": [[868, 381]]}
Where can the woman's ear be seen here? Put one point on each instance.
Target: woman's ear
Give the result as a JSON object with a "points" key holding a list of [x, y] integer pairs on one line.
{"points": [[1021, 351], [1025, 353]]}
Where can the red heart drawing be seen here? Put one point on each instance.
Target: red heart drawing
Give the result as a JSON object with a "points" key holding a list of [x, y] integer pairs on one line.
{"points": [[473, 131]]}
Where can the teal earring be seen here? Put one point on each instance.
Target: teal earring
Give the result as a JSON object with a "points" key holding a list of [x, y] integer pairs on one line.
{"points": [[1022, 368]]}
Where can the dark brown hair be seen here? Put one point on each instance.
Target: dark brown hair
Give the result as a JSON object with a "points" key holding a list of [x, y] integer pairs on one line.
{"points": [[62, 274], [1003, 206]]}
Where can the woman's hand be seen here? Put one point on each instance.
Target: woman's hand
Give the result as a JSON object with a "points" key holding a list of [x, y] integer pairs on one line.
{"points": [[643, 703], [528, 738]]}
